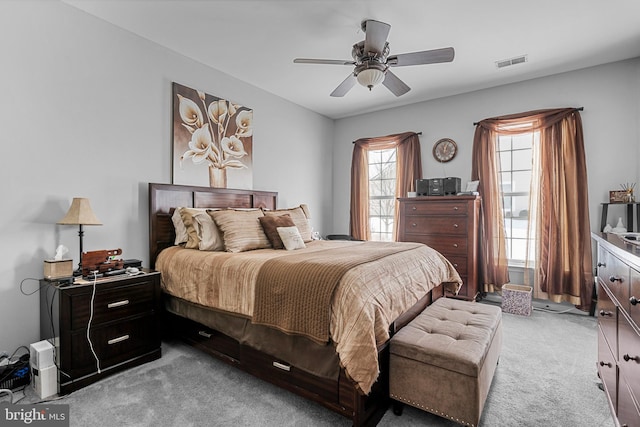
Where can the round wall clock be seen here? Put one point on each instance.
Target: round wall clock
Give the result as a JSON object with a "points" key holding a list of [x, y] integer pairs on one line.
{"points": [[444, 150]]}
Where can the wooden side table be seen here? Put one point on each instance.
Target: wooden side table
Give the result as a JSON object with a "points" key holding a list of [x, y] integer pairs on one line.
{"points": [[123, 325], [605, 211]]}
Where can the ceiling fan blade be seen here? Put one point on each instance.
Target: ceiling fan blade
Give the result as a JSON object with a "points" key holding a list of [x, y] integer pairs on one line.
{"points": [[376, 33], [425, 57], [345, 86], [323, 61], [394, 84]]}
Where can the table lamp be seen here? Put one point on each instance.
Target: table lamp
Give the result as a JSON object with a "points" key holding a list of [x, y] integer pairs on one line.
{"points": [[80, 214]]}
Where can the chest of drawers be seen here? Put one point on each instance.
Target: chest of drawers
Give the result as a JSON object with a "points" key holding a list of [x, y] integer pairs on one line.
{"points": [[96, 333], [450, 225], [618, 313]]}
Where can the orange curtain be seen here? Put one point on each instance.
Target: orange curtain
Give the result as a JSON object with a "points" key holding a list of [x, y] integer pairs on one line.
{"points": [[563, 269], [408, 170]]}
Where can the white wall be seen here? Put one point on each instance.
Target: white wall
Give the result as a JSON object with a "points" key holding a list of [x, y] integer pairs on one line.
{"points": [[610, 95], [85, 111]]}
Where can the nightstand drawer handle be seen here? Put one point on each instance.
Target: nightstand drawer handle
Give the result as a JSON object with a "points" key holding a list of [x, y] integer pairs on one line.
{"points": [[626, 358], [282, 366], [608, 365], [117, 340], [614, 279], [605, 313], [633, 300], [204, 334], [118, 304]]}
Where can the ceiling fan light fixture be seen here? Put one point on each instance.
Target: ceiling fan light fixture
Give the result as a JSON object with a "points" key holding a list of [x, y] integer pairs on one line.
{"points": [[370, 77]]}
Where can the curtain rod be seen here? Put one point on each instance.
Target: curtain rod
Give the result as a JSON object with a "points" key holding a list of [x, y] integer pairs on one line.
{"points": [[417, 133], [575, 109]]}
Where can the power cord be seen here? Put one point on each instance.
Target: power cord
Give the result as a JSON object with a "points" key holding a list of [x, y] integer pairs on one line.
{"points": [[93, 296], [7, 391]]}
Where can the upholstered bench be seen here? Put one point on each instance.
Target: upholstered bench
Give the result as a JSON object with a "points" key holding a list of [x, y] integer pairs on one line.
{"points": [[444, 360]]}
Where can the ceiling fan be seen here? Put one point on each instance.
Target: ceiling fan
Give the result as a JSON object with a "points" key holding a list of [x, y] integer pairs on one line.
{"points": [[372, 61]]}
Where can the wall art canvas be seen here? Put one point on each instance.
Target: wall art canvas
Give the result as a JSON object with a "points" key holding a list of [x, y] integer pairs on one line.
{"points": [[212, 140]]}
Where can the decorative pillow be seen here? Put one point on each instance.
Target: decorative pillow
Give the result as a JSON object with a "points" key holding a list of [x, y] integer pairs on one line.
{"points": [[178, 226], [210, 238], [269, 225], [300, 219], [291, 238], [241, 229], [192, 242]]}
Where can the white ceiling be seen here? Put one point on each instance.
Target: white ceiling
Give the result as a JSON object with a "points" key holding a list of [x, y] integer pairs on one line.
{"points": [[257, 40]]}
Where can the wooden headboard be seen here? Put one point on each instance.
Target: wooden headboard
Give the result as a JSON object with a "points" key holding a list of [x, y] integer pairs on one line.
{"points": [[164, 198]]}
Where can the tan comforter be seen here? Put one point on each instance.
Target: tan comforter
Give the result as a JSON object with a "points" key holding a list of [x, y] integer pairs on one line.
{"points": [[368, 298]]}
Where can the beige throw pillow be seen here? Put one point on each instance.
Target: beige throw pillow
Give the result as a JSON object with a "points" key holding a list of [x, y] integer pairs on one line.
{"points": [[209, 236], [291, 238], [193, 242], [179, 228], [241, 229]]}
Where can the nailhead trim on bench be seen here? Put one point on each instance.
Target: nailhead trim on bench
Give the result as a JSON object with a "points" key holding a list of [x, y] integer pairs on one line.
{"points": [[432, 410]]}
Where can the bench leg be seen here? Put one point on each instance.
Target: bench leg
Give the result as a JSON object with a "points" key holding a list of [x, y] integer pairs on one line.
{"points": [[397, 407]]}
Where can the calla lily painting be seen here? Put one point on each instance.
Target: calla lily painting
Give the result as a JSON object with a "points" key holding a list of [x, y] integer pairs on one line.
{"points": [[212, 140]]}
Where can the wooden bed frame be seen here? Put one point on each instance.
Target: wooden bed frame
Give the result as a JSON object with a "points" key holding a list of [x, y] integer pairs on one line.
{"points": [[341, 396]]}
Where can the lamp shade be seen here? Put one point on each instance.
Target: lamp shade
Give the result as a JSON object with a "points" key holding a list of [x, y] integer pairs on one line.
{"points": [[80, 212], [370, 77]]}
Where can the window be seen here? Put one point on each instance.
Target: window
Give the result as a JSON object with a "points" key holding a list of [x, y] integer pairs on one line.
{"points": [[382, 189], [516, 159]]}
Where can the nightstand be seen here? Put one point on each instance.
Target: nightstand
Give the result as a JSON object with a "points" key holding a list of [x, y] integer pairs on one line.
{"points": [[124, 328]]}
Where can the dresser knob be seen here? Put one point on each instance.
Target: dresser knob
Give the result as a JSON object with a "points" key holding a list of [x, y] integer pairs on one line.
{"points": [[605, 313], [608, 365], [414, 208], [455, 208], [455, 226], [413, 224], [455, 245], [627, 358], [633, 300], [602, 264], [614, 279]]}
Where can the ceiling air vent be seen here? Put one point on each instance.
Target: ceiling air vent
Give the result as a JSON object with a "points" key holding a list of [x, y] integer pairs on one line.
{"points": [[512, 61]]}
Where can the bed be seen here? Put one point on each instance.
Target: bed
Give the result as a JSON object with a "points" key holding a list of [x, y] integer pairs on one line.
{"points": [[260, 313]]}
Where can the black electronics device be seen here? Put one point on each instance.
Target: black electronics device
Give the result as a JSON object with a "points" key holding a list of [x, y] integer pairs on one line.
{"points": [[438, 186], [15, 374], [132, 263], [451, 186]]}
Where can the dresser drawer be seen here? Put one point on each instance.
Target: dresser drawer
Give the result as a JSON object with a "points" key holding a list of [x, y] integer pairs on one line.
{"points": [[438, 208], [113, 344], [111, 303], [615, 274], [460, 263], [607, 368], [634, 298], [436, 225], [628, 413], [446, 245], [607, 319], [629, 355]]}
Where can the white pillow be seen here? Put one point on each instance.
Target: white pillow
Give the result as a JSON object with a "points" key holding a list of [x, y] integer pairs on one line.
{"points": [[178, 226], [208, 232], [291, 238]]}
